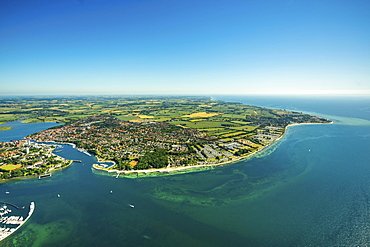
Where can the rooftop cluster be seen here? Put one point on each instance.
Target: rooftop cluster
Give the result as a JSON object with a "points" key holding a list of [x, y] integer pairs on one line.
{"points": [[26, 158], [145, 132]]}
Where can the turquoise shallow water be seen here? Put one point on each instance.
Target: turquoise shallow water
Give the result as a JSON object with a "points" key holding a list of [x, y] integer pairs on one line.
{"points": [[311, 188]]}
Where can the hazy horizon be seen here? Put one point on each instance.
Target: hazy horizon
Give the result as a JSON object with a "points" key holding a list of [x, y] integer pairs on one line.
{"points": [[190, 95]]}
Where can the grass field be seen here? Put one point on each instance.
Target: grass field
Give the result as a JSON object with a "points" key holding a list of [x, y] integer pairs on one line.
{"points": [[233, 134], [163, 119], [240, 122], [212, 129], [9, 167], [215, 118], [245, 128], [9, 109], [4, 118], [126, 118], [203, 124], [219, 133]]}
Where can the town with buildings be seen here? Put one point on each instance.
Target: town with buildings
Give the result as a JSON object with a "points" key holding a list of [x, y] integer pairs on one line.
{"points": [[25, 158], [146, 133], [127, 143]]}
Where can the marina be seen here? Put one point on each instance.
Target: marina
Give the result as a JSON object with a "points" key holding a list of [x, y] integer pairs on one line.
{"points": [[11, 223], [84, 151]]}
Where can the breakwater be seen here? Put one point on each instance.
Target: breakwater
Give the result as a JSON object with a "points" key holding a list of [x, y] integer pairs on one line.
{"points": [[13, 205]]}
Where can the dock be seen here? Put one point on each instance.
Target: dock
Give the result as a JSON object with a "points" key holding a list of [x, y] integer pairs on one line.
{"points": [[11, 204], [11, 224], [45, 176]]}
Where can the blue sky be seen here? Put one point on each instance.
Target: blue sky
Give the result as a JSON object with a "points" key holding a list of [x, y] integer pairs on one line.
{"points": [[184, 47]]}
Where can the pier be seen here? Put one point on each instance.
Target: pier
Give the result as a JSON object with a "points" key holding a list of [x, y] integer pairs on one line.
{"points": [[10, 204], [45, 176], [7, 230]]}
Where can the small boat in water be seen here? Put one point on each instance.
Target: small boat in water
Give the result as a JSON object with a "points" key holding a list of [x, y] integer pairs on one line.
{"points": [[131, 206]]}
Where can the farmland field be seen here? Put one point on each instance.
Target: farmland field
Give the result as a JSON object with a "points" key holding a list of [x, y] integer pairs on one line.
{"points": [[214, 118]]}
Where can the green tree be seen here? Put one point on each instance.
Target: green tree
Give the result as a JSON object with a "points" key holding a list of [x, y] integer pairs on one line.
{"points": [[5, 175], [156, 159], [18, 173]]}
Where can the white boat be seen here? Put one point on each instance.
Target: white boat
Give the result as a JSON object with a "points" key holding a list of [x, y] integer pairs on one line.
{"points": [[131, 206]]}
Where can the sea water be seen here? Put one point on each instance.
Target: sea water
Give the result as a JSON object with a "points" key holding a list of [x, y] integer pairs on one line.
{"points": [[19, 130], [311, 188]]}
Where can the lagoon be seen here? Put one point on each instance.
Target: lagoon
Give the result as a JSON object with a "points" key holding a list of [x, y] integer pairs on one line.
{"points": [[311, 188], [20, 130]]}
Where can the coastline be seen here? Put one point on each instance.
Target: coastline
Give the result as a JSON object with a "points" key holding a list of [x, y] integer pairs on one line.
{"points": [[182, 168], [50, 171], [166, 170], [36, 176]]}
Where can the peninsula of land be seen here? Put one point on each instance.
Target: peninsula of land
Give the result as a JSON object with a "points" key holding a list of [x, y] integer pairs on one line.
{"points": [[147, 134], [23, 158]]}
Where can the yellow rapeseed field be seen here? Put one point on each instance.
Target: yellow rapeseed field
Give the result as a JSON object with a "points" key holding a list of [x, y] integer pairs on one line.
{"points": [[201, 114], [145, 116]]}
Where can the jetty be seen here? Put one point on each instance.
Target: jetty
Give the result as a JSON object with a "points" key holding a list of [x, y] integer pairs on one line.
{"points": [[10, 224], [11, 204], [45, 176]]}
